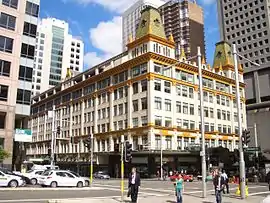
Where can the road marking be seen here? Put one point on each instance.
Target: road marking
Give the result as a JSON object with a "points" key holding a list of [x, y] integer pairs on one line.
{"points": [[258, 193], [39, 200], [49, 189]]}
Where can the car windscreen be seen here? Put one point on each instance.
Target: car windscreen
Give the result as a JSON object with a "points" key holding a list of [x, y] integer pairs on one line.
{"points": [[46, 173], [75, 174], [30, 171], [6, 171]]}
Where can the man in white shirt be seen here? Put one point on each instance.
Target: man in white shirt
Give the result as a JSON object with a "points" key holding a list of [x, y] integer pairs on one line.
{"points": [[134, 183], [226, 179]]}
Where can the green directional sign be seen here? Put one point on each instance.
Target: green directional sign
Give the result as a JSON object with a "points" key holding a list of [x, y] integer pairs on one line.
{"points": [[252, 149]]}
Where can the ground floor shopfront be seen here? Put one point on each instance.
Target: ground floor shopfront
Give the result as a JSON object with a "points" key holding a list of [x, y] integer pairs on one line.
{"points": [[148, 163]]}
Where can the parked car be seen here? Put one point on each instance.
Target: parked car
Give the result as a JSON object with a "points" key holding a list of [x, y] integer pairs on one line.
{"points": [[9, 172], [33, 175], [60, 178], [101, 175], [86, 179], [8, 180]]}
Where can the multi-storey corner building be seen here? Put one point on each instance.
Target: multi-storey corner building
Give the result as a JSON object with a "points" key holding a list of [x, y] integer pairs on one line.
{"points": [[184, 20], [17, 48], [56, 51], [246, 23], [141, 95], [131, 18]]}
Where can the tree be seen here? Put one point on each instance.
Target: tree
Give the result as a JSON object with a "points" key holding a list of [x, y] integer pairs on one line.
{"points": [[3, 154]]}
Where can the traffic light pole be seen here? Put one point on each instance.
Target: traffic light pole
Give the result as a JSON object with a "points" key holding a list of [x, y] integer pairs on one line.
{"points": [[91, 159], [53, 137], [122, 168], [241, 151]]}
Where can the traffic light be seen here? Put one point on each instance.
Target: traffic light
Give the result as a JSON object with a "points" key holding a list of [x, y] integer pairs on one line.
{"points": [[116, 147], [246, 137], [58, 130], [87, 142], [127, 151]]}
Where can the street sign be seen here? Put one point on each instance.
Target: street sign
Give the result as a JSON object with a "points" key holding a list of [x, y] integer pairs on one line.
{"points": [[23, 135], [252, 149]]}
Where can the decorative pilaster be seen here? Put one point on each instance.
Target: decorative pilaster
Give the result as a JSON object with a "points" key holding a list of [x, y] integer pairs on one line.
{"points": [[95, 113], [82, 116], [150, 101], [129, 104], [111, 142], [151, 139], [111, 108]]}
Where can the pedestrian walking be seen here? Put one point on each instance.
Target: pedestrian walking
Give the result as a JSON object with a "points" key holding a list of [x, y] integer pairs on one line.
{"points": [[219, 183], [179, 188], [134, 183], [226, 179]]}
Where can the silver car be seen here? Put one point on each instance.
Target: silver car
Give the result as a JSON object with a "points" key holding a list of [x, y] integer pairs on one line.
{"points": [[101, 175]]}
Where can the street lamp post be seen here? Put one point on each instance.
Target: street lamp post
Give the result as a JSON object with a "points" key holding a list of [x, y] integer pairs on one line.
{"points": [[202, 124], [238, 101], [53, 137]]}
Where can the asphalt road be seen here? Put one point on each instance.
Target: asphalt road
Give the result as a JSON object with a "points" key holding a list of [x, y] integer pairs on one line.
{"points": [[111, 189]]}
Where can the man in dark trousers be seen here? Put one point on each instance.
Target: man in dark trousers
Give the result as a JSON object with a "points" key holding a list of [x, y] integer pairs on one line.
{"points": [[219, 183], [134, 182]]}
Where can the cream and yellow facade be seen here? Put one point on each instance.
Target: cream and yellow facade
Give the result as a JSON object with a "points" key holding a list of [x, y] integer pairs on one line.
{"points": [[143, 94]]}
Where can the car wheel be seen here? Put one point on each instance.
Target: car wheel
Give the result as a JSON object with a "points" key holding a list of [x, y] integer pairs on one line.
{"points": [[13, 183], [79, 184], [53, 184], [33, 181], [87, 183], [101, 177]]}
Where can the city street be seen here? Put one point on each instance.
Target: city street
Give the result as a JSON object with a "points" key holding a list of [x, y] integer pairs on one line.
{"points": [[110, 190]]}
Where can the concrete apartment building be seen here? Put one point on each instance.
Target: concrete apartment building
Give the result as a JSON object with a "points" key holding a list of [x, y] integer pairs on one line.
{"points": [[131, 18], [246, 23], [18, 26], [56, 50], [135, 96], [184, 20]]}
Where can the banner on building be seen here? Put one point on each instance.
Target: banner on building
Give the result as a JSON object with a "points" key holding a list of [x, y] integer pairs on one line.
{"points": [[23, 135]]}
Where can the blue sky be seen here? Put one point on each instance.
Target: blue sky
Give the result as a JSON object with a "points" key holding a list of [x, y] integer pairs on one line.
{"points": [[98, 24]]}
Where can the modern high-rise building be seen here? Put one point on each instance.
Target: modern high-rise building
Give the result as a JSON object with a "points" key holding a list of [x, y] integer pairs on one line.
{"points": [[18, 26], [131, 18], [246, 23], [142, 96], [56, 50], [184, 20]]}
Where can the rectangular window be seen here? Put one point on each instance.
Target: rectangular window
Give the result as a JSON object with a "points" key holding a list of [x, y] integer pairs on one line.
{"points": [[206, 112], [2, 120], [135, 122], [144, 103], [6, 44], [135, 88], [144, 120], [192, 125], [144, 85], [29, 29], [120, 93], [185, 124], [168, 141], [7, 21], [191, 109], [212, 127], [158, 85], [32, 9], [168, 122], [115, 94], [184, 91], [168, 105], [115, 110], [179, 123], [178, 107], [158, 101], [28, 51], [211, 113], [157, 141], [191, 92], [185, 108], [218, 114], [167, 87], [228, 115], [158, 120], [121, 109], [23, 97], [5, 68], [135, 105], [25, 73], [10, 3], [3, 92]]}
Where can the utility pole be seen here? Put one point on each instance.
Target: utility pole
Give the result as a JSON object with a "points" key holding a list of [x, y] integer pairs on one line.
{"points": [[202, 123], [241, 151], [53, 137]]}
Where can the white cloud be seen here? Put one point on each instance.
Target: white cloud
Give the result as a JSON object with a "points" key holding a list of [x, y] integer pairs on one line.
{"points": [[113, 5], [106, 37]]}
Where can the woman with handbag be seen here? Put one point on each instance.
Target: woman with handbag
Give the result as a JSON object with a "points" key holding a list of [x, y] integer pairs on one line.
{"points": [[179, 188]]}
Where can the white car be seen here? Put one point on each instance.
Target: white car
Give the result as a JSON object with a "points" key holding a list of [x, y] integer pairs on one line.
{"points": [[60, 178], [7, 180], [33, 175]]}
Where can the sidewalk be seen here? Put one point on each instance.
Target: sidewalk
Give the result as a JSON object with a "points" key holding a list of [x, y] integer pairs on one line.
{"points": [[161, 199]]}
